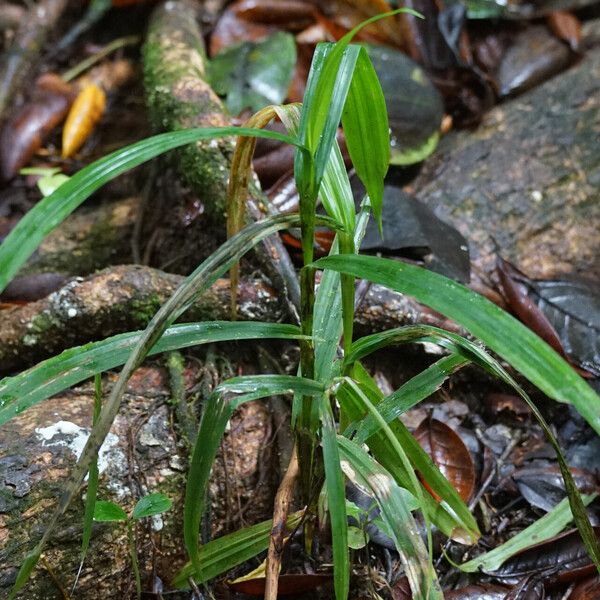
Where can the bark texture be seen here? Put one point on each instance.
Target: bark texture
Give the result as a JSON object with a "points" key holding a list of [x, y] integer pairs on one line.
{"points": [[142, 454], [113, 301], [179, 97]]}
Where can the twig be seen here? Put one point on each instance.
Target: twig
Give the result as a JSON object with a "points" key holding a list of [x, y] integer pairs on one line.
{"points": [[283, 499]]}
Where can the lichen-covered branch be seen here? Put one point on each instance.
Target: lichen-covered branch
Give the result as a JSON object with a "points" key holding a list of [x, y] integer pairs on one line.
{"points": [[112, 301], [125, 298]]}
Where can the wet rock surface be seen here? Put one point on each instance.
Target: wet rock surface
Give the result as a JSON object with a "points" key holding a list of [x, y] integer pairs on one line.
{"points": [[528, 178]]}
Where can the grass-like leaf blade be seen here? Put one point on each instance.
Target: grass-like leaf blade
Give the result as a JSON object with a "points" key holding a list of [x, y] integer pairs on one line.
{"points": [[218, 409], [546, 527], [336, 500], [26, 236], [228, 551], [365, 117], [375, 480], [78, 364], [501, 332], [505, 335]]}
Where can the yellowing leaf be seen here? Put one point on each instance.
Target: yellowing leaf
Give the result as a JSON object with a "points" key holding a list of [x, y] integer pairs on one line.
{"points": [[83, 116]]}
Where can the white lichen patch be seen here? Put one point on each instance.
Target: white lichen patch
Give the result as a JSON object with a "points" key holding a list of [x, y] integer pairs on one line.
{"points": [[110, 458]]}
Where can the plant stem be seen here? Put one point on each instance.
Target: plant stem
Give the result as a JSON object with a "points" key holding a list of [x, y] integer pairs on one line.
{"points": [[133, 555], [280, 515], [347, 285]]}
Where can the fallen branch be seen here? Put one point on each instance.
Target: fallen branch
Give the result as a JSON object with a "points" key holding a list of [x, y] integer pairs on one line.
{"points": [[178, 97], [112, 301], [19, 60]]}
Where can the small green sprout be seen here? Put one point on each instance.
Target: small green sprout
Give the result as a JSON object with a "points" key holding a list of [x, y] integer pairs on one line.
{"points": [[148, 506]]}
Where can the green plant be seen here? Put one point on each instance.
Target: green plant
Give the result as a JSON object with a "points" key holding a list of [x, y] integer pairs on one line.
{"points": [[148, 506], [342, 86]]}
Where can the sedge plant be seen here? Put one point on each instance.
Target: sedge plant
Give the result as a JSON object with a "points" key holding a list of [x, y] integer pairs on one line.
{"points": [[344, 426]]}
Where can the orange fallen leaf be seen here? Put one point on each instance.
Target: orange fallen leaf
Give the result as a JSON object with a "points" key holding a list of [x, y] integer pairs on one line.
{"points": [[83, 116]]}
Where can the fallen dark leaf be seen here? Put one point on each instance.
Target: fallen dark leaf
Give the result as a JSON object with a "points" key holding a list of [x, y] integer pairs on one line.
{"points": [[587, 590], [516, 294], [449, 453], [288, 584], [534, 56], [411, 229], [28, 288], [26, 131], [529, 588], [543, 487], [415, 107], [573, 309], [565, 26], [487, 591], [561, 559]]}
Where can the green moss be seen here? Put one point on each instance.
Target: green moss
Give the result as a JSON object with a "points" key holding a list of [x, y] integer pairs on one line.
{"points": [[143, 310]]}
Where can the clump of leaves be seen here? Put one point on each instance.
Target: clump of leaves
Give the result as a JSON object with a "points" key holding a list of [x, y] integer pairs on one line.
{"points": [[342, 86]]}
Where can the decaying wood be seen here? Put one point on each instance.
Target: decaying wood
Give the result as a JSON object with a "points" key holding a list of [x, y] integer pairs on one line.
{"points": [[281, 510], [178, 97], [528, 177], [125, 298], [112, 301], [141, 455], [92, 238], [18, 61]]}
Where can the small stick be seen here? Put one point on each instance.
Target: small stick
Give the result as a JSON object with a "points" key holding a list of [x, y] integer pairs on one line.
{"points": [[283, 499]]}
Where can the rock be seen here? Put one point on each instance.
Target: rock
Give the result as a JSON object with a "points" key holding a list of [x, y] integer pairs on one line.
{"points": [[528, 178]]}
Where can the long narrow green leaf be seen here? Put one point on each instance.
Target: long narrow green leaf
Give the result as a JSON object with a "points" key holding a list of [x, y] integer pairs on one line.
{"points": [[78, 364], [543, 529], [395, 450], [501, 332], [505, 335], [196, 283], [226, 397], [92, 489], [224, 553], [22, 241], [412, 392], [451, 515], [365, 118], [374, 479], [336, 500]]}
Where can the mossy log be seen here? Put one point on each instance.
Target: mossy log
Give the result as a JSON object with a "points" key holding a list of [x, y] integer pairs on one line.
{"points": [[92, 238], [141, 455], [125, 298], [178, 97], [528, 179], [112, 301]]}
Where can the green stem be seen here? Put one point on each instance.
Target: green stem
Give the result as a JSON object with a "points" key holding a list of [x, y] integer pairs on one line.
{"points": [[133, 555], [84, 65], [307, 424], [347, 285]]}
